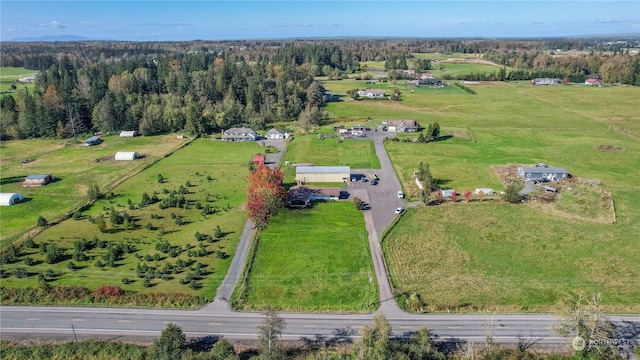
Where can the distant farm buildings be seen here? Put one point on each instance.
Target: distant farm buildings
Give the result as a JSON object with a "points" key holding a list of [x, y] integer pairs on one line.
{"points": [[8, 199], [322, 174], [37, 180], [546, 81], [371, 93], [126, 155]]}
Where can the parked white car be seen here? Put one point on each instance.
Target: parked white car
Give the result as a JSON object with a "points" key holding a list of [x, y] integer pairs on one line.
{"points": [[399, 210], [400, 195]]}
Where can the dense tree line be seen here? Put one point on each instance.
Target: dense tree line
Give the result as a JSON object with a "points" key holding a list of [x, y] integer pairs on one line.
{"points": [[200, 87]]}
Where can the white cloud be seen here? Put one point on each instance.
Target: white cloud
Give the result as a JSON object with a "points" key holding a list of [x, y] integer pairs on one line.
{"points": [[53, 25]]}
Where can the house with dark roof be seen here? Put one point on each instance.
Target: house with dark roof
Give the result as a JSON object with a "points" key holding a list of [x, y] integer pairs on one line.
{"points": [[37, 180], [542, 173], [302, 197], [430, 82], [403, 125], [94, 140], [239, 134]]}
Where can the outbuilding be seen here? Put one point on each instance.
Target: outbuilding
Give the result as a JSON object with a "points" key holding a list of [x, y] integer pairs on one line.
{"points": [[126, 155], [128, 133], [37, 180], [94, 140], [258, 160], [485, 191], [8, 199], [322, 174]]}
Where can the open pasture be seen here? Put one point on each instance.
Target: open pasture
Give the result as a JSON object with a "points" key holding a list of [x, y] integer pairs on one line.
{"points": [[488, 255], [314, 259], [159, 236], [10, 74], [75, 165]]}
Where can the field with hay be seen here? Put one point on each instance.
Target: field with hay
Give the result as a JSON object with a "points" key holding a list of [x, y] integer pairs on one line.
{"points": [[492, 255]]}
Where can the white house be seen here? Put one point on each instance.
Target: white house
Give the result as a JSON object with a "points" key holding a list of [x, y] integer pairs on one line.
{"points": [[126, 155], [371, 93], [239, 134], [8, 199]]}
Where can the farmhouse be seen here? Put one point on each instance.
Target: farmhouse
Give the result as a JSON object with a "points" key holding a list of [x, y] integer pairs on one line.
{"points": [[8, 199], [542, 173], [546, 81], [275, 134], [371, 93], [128, 133], [431, 82], [239, 134], [402, 126], [94, 140], [322, 174], [301, 196], [126, 155], [37, 180]]}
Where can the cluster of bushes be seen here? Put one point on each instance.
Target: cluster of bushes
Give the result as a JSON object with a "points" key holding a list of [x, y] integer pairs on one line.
{"points": [[465, 88], [75, 295]]}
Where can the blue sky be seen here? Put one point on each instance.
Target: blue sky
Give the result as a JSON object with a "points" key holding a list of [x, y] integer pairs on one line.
{"points": [[267, 19]]}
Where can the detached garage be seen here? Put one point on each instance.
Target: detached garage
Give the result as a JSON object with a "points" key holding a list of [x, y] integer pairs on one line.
{"points": [[322, 174], [37, 180], [8, 199], [126, 155]]}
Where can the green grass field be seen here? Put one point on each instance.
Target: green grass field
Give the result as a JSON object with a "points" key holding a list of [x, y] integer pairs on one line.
{"points": [[75, 166], [312, 260], [504, 257], [10, 74], [307, 149], [217, 174]]}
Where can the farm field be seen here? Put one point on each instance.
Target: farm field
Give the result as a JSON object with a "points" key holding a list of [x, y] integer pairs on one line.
{"points": [[515, 258], [314, 259], [10, 74], [308, 149], [75, 166], [177, 248]]}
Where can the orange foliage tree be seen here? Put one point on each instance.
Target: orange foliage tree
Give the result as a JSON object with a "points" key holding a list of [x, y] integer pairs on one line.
{"points": [[265, 196]]}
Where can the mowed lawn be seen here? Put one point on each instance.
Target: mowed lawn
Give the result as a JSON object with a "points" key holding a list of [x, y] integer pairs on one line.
{"points": [[213, 172], [312, 260], [75, 167]]}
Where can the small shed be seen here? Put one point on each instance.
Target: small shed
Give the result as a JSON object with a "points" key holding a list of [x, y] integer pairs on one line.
{"points": [[485, 191], [448, 193], [258, 160], [129, 133], [94, 140], [37, 180], [126, 155], [8, 199]]}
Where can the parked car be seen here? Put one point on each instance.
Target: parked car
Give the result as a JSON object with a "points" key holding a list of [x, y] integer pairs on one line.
{"points": [[374, 182], [399, 210], [400, 195]]}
